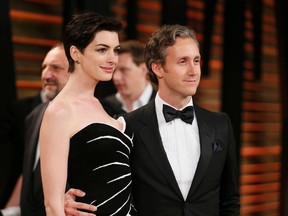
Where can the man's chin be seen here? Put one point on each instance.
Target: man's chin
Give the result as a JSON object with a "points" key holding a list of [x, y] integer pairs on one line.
{"points": [[121, 90], [50, 95]]}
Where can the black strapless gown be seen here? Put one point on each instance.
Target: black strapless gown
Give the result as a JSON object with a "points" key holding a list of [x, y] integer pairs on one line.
{"points": [[99, 165]]}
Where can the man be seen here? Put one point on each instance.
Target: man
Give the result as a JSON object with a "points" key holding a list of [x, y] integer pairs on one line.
{"points": [[131, 81], [181, 168], [12, 129], [184, 160], [54, 77]]}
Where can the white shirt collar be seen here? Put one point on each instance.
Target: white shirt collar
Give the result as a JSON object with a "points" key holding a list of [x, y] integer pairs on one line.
{"points": [[142, 100]]}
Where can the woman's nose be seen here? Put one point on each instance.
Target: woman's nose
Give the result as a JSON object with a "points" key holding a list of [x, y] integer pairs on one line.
{"points": [[113, 57]]}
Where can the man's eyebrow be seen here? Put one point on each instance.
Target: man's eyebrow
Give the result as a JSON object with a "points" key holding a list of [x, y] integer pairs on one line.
{"points": [[57, 65]]}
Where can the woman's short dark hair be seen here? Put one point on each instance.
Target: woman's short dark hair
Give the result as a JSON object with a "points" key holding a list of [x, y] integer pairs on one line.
{"points": [[82, 28]]}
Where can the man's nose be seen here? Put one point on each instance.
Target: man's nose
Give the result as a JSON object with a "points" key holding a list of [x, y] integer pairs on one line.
{"points": [[47, 73], [192, 68], [117, 74]]}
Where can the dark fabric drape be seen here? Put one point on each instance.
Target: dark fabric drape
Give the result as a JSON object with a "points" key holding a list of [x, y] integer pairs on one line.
{"points": [[257, 24], [132, 11], [233, 55], [168, 12], [282, 28], [7, 81], [7, 92], [209, 12]]}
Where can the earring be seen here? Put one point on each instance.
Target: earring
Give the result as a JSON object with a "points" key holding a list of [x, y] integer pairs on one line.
{"points": [[77, 62]]}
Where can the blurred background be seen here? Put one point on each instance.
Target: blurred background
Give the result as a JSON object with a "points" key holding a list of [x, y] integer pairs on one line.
{"points": [[244, 71]]}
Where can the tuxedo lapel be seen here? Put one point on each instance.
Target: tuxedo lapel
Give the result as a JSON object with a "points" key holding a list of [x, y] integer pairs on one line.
{"points": [[33, 133], [206, 135], [151, 138]]}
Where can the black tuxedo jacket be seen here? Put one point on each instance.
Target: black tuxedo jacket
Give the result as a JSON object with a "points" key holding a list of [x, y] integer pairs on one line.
{"points": [[114, 107], [12, 120], [32, 198], [214, 190]]}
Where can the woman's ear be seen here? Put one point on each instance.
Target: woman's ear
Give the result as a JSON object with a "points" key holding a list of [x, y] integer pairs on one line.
{"points": [[75, 54]]}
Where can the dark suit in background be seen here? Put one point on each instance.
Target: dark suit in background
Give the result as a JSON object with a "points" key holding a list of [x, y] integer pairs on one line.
{"points": [[12, 143], [32, 198], [214, 188], [114, 107]]}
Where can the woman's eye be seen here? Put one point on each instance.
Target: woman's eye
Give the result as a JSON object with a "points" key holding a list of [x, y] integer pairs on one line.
{"points": [[116, 51], [102, 50]]}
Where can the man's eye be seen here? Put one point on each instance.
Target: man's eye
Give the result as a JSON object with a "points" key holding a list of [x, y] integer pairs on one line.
{"points": [[56, 68], [183, 61], [196, 61]]}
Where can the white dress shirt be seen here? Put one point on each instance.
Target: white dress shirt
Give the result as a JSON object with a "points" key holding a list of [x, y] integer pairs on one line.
{"points": [[37, 155], [141, 101], [181, 144]]}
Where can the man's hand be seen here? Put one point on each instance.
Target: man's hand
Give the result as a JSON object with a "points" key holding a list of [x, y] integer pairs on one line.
{"points": [[71, 206]]}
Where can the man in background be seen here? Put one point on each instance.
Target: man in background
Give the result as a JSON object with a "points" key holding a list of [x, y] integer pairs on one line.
{"points": [[130, 79], [54, 77], [12, 130]]}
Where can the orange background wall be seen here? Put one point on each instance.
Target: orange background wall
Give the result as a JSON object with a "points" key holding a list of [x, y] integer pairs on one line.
{"points": [[37, 24]]}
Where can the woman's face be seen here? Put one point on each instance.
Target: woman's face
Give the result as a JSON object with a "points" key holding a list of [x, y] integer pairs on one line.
{"points": [[100, 57]]}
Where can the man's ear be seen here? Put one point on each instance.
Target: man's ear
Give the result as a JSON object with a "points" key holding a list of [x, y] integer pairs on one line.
{"points": [[157, 69], [75, 54]]}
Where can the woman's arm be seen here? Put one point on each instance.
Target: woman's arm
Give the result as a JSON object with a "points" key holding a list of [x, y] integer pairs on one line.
{"points": [[54, 149]]}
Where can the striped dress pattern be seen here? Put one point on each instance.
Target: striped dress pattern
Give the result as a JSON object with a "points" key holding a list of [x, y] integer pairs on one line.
{"points": [[99, 165]]}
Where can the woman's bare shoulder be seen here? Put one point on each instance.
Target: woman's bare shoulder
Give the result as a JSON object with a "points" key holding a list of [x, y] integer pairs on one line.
{"points": [[58, 109]]}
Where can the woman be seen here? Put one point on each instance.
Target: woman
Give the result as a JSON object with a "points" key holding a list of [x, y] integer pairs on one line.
{"points": [[79, 142]]}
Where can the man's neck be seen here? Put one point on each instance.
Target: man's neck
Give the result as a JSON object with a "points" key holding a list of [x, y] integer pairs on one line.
{"points": [[136, 95], [141, 98]]}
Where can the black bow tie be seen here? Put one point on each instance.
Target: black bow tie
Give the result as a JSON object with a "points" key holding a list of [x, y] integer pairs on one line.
{"points": [[185, 115]]}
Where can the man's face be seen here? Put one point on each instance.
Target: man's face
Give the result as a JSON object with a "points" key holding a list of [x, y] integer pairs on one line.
{"points": [[128, 77], [180, 76], [54, 72]]}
